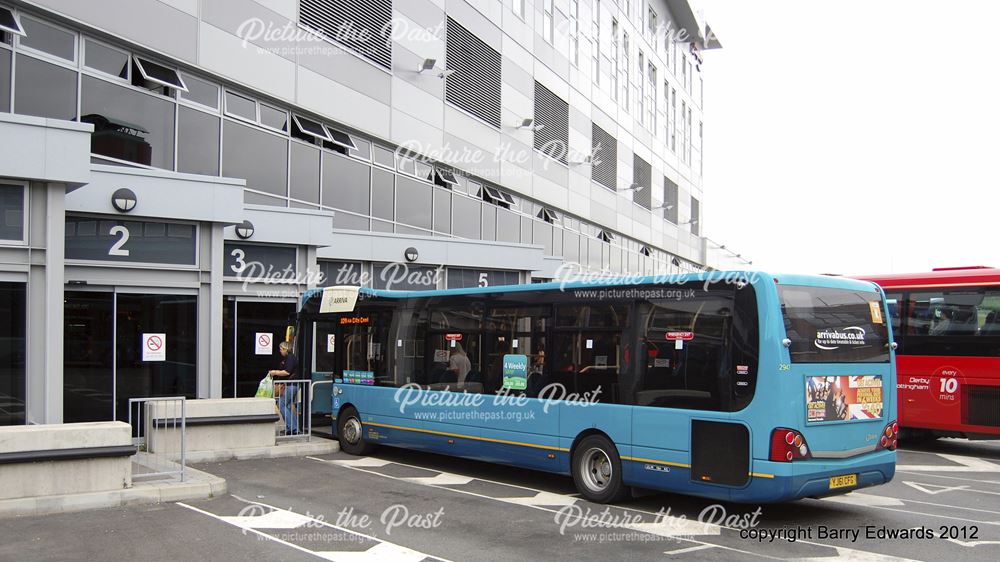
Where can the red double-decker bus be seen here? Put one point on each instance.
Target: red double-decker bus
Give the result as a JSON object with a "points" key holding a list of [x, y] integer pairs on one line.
{"points": [[947, 325]]}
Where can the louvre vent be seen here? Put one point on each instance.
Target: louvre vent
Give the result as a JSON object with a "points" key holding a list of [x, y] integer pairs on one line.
{"points": [[552, 113], [642, 175], [981, 406], [475, 84], [695, 217], [672, 199], [604, 165], [364, 26]]}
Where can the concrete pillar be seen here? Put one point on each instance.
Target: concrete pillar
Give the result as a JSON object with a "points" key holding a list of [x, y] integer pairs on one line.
{"points": [[44, 353]]}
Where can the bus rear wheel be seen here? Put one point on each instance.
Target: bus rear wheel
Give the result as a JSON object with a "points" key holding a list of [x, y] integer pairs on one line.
{"points": [[350, 433], [597, 470]]}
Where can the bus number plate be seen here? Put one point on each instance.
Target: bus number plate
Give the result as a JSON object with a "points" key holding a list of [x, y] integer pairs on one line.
{"points": [[843, 481]]}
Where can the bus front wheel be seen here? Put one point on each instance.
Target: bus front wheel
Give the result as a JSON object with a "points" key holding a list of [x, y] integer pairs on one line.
{"points": [[350, 433], [597, 470]]}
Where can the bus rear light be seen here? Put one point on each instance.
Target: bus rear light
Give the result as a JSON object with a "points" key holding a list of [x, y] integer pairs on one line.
{"points": [[890, 437], [788, 445]]}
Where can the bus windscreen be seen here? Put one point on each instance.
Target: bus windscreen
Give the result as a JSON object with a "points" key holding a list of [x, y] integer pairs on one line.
{"points": [[827, 325]]}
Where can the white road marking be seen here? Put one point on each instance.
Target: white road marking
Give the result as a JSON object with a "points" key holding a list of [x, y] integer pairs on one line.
{"points": [[545, 498], [949, 477], [842, 552], [965, 464], [443, 479], [383, 551], [279, 518], [925, 488], [851, 555], [674, 527], [689, 549], [366, 462], [864, 500], [972, 543]]}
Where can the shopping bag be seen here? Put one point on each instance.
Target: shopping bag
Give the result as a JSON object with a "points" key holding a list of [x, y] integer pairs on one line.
{"points": [[266, 388]]}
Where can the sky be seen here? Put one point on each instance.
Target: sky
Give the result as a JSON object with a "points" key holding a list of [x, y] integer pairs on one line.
{"points": [[853, 136]]}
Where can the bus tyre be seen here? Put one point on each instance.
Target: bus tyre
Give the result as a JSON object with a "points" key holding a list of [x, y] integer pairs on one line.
{"points": [[350, 433], [597, 470]]}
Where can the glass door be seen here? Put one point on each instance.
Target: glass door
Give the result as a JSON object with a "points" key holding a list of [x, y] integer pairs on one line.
{"points": [[252, 332], [157, 347], [88, 356], [12, 353]]}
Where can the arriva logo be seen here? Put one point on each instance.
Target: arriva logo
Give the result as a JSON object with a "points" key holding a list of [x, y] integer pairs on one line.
{"points": [[833, 339]]}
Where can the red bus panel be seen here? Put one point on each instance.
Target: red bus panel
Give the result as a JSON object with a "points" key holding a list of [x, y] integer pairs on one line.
{"points": [[947, 325]]}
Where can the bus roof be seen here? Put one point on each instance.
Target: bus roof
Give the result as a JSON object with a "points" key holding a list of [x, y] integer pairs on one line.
{"points": [[713, 276], [943, 277]]}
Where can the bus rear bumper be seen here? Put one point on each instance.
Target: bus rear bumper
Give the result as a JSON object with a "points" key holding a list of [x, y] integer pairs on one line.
{"points": [[815, 478]]}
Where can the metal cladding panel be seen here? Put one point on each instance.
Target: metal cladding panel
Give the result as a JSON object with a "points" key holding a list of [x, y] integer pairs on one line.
{"points": [[364, 26], [475, 85], [552, 113], [642, 174], [604, 154]]}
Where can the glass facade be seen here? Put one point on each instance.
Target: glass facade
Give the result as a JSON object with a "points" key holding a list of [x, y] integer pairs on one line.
{"points": [[208, 130]]}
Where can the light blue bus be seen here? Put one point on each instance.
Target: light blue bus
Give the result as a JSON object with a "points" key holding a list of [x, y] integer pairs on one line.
{"points": [[738, 386]]}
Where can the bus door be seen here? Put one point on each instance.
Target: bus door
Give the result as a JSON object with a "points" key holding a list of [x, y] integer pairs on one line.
{"points": [[324, 362]]}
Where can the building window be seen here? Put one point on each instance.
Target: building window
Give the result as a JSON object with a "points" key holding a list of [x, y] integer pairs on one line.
{"points": [[595, 44], [624, 70], [651, 98], [199, 91], [604, 158], [5, 69], [363, 27], [413, 204], [475, 85], [574, 32], [153, 76], [197, 142], [518, 7], [651, 24], [673, 119], [614, 59], [46, 38], [128, 124], [641, 93], [108, 60], [684, 132], [241, 106], [346, 186], [548, 20], [552, 113], [688, 135], [256, 155], [43, 89]]}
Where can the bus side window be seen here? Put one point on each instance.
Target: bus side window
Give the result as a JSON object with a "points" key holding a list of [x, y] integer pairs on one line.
{"points": [[588, 352], [687, 347]]}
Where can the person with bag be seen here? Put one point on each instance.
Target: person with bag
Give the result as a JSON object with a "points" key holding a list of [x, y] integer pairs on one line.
{"points": [[285, 395]]}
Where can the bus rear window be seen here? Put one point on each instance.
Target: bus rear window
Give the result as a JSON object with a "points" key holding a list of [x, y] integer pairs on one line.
{"points": [[834, 325]]}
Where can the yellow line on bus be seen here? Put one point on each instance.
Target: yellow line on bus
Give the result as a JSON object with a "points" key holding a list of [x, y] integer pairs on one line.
{"points": [[561, 449], [472, 437], [654, 461]]}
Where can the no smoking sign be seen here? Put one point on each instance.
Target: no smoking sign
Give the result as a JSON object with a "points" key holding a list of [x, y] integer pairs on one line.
{"points": [[264, 343], [154, 347]]}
